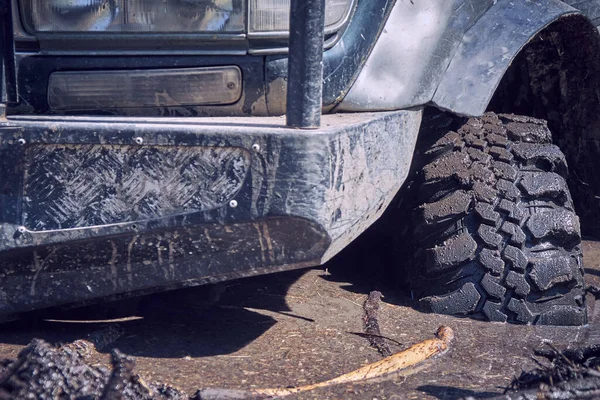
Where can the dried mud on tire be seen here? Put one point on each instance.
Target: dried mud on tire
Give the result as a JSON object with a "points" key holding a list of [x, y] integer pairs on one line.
{"points": [[495, 230]]}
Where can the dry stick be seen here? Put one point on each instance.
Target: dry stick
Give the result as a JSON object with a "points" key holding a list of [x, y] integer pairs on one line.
{"points": [[371, 323], [371, 335], [394, 363]]}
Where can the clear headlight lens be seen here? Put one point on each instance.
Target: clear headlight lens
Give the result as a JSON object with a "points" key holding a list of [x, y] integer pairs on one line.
{"points": [[186, 16], [274, 15], [168, 16]]}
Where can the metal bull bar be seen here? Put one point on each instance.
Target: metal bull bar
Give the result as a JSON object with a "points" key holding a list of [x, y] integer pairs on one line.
{"points": [[305, 64], [8, 91]]}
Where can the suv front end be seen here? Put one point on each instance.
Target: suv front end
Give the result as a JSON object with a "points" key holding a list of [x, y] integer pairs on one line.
{"points": [[143, 146]]}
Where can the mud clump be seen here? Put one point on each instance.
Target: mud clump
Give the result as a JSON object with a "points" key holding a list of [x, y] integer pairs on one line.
{"points": [[566, 365], [567, 374], [43, 371]]}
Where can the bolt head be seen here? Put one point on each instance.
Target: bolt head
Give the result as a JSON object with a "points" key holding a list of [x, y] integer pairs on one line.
{"points": [[233, 203], [139, 140], [256, 147]]}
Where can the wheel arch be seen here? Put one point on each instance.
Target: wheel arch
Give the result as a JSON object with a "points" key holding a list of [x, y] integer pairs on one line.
{"points": [[450, 54], [489, 48], [556, 77]]}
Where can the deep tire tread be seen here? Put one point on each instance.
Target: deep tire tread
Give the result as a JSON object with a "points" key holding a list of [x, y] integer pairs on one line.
{"points": [[507, 242]]}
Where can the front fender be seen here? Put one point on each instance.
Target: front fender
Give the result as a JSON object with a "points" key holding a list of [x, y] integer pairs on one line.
{"points": [[411, 54], [488, 49], [451, 53]]}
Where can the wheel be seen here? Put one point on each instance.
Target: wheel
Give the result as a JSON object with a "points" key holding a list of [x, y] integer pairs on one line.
{"points": [[495, 235]]}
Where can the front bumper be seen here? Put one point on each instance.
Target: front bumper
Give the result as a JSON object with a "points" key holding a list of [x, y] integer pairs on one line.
{"points": [[97, 207]]}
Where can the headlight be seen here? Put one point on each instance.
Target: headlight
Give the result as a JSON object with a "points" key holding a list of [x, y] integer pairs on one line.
{"points": [[274, 15], [266, 17], [186, 16]]}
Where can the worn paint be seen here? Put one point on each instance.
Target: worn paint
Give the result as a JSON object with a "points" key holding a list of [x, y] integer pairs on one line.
{"points": [[359, 165], [300, 199], [412, 53]]}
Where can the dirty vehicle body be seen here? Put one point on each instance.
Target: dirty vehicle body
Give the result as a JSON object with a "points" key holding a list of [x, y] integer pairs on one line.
{"points": [[147, 154]]}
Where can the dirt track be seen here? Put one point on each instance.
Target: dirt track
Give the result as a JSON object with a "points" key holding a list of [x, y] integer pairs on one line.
{"points": [[293, 328]]}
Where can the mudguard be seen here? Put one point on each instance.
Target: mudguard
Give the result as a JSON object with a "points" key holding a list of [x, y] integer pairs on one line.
{"points": [[451, 54], [488, 49]]}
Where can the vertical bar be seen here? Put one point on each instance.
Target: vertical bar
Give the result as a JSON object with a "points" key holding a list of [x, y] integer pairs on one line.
{"points": [[7, 54], [305, 63]]}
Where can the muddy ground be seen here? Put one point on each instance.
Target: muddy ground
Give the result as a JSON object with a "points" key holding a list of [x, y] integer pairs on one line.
{"points": [[295, 328]]}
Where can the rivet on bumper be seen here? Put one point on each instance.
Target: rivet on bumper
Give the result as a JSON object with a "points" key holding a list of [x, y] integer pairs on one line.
{"points": [[256, 147], [139, 140], [233, 203], [21, 141]]}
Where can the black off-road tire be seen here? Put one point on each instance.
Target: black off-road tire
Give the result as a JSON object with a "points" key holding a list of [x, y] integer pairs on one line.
{"points": [[495, 234]]}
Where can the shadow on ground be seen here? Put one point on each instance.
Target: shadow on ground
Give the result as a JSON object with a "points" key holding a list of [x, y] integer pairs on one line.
{"points": [[448, 392], [196, 322], [204, 321]]}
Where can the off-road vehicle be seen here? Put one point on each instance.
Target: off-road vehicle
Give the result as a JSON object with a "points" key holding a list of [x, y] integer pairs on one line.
{"points": [[143, 146]]}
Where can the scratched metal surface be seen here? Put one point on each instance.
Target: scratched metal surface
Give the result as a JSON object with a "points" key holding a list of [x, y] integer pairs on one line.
{"points": [[412, 52], [426, 48], [328, 184], [292, 328], [488, 49], [71, 186], [118, 266]]}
